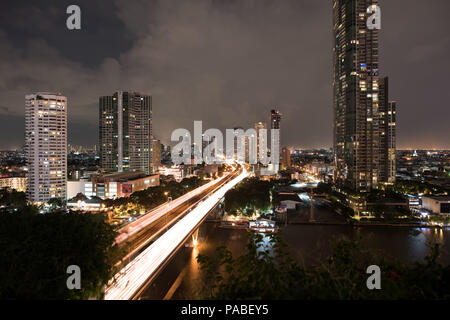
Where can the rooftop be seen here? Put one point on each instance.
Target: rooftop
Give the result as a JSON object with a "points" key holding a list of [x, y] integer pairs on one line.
{"points": [[438, 198]]}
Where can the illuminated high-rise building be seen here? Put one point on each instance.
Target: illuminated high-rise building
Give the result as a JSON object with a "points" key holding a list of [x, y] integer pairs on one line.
{"points": [[261, 140], [388, 111], [275, 123], [125, 132], [361, 152], [46, 146], [285, 158]]}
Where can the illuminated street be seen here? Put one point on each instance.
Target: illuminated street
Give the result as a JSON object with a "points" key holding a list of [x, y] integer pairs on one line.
{"points": [[132, 277]]}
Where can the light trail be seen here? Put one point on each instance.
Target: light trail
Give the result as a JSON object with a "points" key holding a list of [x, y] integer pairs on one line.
{"points": [[137, 225], [134, 275]]}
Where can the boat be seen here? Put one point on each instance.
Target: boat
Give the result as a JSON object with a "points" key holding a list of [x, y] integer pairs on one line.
{"points": [[263, 226]]}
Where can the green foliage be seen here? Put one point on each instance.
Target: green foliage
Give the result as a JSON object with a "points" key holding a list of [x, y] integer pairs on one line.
{"points": [[35, 251], [13, 201], [155, 196], [325, 188], [248, 196], [273, 274], [56, 203], [416, 187]]}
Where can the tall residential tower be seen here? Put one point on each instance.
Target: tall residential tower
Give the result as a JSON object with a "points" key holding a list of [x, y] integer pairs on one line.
{"points": [[275, 143], [46, 146], [364, 121], [125, 131]]}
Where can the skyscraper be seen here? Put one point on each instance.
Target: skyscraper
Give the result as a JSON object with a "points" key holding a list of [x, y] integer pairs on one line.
{"points": [[275, 123], [360, 104], [125, 131], [388, 112], [261, 140], [46, 146]]}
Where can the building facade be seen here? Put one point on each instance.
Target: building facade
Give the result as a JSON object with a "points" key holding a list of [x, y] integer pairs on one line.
{"points": [[364, 148], [436, 205], [261, 140], [275, 123], [17, 183], [46, 146], [388, 113], [125, 132], [156, 155], [285, 158], [119, 185]]}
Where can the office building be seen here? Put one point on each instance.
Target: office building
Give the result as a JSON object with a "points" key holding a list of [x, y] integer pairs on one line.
{"points": [[46, 146], [125, 131]]}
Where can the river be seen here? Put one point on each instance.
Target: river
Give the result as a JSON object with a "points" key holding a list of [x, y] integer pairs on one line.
{"points": [[181, 278]]}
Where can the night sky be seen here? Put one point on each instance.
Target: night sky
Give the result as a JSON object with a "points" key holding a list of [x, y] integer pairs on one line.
{"points": [[226, 62]]}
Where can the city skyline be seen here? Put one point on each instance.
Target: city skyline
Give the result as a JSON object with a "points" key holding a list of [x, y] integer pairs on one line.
{"points": [[309, 197], [168, 59]]}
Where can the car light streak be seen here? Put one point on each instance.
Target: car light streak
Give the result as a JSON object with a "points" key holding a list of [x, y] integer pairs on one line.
{"points": [[134, 275], [137, 225]]}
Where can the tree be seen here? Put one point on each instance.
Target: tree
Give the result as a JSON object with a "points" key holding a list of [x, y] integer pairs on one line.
{"points": [[271, 273], [55, 203], [12, 200], [35, 251], [324, 188], [249, 196]]}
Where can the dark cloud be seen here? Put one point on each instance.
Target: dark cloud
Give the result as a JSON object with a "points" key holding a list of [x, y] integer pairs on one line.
{"points": [[224, 62]]}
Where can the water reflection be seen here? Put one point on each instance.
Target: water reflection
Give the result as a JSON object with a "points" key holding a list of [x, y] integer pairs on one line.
{"points": [[265, 244], [311, 244]]}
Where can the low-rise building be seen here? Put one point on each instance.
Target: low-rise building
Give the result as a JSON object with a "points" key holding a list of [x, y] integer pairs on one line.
{"points": [[76, 187], [177, 173], [436, 205], [113, 186], [16, 183]]}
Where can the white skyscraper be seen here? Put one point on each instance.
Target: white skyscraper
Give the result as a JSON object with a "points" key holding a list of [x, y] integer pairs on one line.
{"points": [[46, 146]]}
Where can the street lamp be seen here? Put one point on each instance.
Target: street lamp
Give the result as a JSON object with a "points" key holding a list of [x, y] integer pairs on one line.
{"points": [[168, 199]]}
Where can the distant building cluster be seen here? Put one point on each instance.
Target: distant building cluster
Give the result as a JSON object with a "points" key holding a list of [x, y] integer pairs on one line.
{"points": [[126, 146], [130, 158], [431, 166]]}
